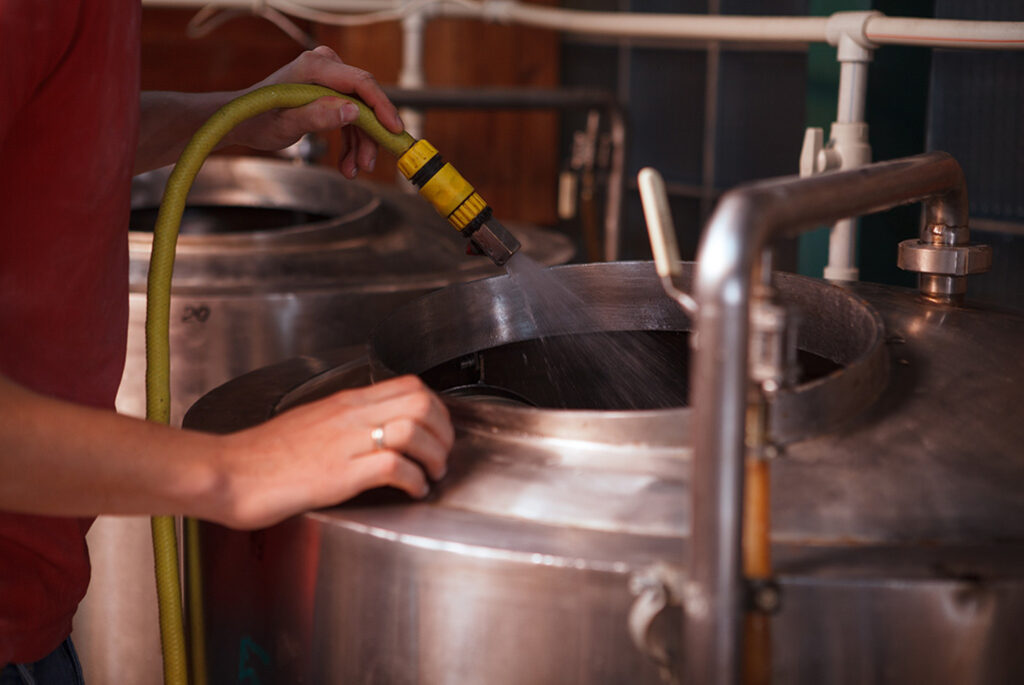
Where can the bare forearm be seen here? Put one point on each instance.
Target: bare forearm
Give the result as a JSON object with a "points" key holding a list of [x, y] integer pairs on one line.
{"points": [[167, 122], [168, 119], [62, 459]]}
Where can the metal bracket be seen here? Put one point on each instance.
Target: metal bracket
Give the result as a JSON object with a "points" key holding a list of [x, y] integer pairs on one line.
{"points": [[655, 629]]}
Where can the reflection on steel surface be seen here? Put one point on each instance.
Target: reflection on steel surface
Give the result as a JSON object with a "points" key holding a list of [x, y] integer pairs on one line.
{"points": [[275, 260], [898, 536]]}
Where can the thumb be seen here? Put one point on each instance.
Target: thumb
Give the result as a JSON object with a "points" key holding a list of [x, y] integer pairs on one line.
{"points": [[348, 112], [326, 114]]}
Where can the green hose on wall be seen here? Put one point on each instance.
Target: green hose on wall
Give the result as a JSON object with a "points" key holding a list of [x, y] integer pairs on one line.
{"points": [[158, 304]]}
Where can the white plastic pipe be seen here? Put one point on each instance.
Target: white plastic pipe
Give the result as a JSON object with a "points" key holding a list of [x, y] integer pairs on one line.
{"points": [[997, 35], [411, 74], [842, 239], [687, 26], [853, 82], [946, 33]]}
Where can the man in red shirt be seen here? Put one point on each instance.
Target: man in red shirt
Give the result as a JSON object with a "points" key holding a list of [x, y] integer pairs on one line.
{"points": [[73, 130]]}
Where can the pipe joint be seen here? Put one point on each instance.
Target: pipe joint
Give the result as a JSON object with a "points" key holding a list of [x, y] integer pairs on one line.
{"points": [[847, 31], [850, 143], [847, 147]]}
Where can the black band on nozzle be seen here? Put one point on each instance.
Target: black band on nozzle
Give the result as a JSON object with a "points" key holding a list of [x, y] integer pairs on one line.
{"points": [[427, 171], [476, 223]]}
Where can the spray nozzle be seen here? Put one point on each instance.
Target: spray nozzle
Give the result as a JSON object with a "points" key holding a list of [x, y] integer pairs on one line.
{"points": [[495, 241], [456, 200]]}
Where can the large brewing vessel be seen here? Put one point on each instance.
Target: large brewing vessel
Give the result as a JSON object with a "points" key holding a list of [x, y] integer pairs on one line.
{"points": [[275, 259], [552, 550]]}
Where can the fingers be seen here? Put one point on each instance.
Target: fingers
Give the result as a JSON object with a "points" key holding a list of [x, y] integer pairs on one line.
{"points": [[323, 66], [348, 163], [367, 153], [328, 114], [415, 441], [413, 419], [389, 468], [358, 150], [325, 452], [384, 390], [327, 53], [423, 408]]}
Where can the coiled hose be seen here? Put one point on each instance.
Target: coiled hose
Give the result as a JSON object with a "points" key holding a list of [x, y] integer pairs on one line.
{"points": [[158, 304]]}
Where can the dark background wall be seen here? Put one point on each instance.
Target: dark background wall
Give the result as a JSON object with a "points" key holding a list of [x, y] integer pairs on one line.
{"points": [[976, 113], [706, 115], [711, 116]]}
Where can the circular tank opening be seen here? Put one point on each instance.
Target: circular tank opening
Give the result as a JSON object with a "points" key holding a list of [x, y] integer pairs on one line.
{"points": [[621, 345], [618, 370], [243, 202], [228, 219]]}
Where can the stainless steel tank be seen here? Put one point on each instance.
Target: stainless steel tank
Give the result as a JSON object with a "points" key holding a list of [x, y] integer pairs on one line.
{"points": [[274, 260], [551, 551], [277, 259]]}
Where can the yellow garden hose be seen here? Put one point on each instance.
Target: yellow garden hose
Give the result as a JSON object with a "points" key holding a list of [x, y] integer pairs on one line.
{"points": [[158, 302]]}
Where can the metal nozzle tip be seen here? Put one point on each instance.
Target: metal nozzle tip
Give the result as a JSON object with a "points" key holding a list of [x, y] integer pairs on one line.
{"points": [[495, 241]]}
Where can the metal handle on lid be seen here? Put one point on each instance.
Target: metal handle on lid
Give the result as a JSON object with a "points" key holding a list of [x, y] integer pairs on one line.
{"points": [[662, 233]]}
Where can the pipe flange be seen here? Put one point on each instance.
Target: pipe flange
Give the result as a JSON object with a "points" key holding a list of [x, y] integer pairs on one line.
{"points": [[944, 260]]}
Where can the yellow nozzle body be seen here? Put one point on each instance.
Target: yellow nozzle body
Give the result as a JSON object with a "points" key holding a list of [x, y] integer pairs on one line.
{"points": [[442, 186], [456, 200]]}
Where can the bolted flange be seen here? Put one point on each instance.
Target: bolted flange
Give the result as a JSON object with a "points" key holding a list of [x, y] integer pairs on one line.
{"points": [[944, 260]]}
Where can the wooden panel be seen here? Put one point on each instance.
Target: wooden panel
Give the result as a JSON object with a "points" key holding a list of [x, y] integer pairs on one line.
{"points": [[376, 48], [511, 157], [239, 53]]}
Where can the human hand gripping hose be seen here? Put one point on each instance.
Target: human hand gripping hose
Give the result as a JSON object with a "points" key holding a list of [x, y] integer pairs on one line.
{"points": [[418, 160]]}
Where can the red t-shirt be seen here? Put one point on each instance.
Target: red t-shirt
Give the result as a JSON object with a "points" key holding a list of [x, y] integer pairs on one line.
{"points": [[69, 78]]}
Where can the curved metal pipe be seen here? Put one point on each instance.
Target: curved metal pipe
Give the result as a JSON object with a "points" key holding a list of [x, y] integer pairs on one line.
{"points": [[743, 225]]}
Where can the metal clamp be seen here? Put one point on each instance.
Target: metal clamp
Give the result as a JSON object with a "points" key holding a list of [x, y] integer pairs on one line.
{"points": [[772, 347]]}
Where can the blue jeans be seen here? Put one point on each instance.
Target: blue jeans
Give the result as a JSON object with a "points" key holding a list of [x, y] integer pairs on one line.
{"points": [[60, 667]]}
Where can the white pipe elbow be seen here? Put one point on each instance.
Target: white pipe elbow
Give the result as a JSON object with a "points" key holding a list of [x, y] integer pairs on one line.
{"points": [[848, 32]]}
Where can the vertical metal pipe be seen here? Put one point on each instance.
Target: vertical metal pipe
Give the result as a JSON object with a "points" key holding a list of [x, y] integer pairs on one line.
{"points": [[745, 221], [712, 638]]}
